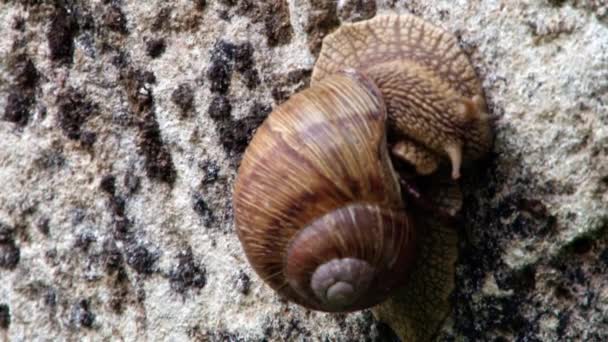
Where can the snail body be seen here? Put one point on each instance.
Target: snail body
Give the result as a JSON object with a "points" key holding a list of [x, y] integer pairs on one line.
{"points": [[434, 99], [318, 205]]}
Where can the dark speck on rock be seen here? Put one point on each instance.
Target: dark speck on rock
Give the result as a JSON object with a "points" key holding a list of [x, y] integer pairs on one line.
{"points": [[235, 134], [112, 257], [200, 4], [61, 34], [293, 330], [298, 76], [26, 74], [259, 110], [108, 184], [187, 273], [43, 225], [224, 15], [562, 292], [519, 280], [122, 227], [557, 3], [162, 19], [131, 183], [85, 19], [159, 163], [81, 315], [534, 207], [22, 94], [120, 59], [115, 19], [220, 108], [245, 64], [141, 259], [604, 257], [200, 207], [158, 160], [228, 2], [563, 321], [138, 84], [170, 19], [211, 170], [196, 333], [140, 294], [277, 23], [228, 56], [322, 19], [356, 10], [183, 97], [50, 159], [243, 283], [251, 77], [117, 203], [17, 109], [74, 110], [155, 47], [84, 240], [120, 290], [581, 245], [50, 297], [6, 232], [51, 254], [290, 83], [243, 56], [5, 316], [9, 255], [88, 139], [220, 68], [18, 23]]}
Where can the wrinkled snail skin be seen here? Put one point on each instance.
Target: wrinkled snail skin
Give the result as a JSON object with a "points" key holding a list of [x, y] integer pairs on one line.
{"points": [[318, 205], [434, 99]]}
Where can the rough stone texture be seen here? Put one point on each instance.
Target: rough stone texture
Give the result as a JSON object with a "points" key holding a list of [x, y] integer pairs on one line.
{"points": [[122, 124]]}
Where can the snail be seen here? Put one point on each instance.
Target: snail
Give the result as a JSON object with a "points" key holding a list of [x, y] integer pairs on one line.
{"points": [[319, 206]]}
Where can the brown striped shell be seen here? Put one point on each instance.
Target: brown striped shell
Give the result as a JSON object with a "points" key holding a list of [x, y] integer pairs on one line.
{"points": [[435, 102], [317, 203]]}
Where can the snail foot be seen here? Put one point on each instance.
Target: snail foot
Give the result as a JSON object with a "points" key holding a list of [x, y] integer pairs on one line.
{"points": [[423, 203]]}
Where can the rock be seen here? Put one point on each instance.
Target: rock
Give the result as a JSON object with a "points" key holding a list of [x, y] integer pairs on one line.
{"points": [[122, 124]]}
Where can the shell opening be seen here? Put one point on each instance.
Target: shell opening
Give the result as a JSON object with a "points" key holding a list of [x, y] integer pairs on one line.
{"points": [[340, 282]]}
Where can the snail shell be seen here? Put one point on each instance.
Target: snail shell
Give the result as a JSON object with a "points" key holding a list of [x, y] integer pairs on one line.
{"points": [[314, 186], [318, 205]]}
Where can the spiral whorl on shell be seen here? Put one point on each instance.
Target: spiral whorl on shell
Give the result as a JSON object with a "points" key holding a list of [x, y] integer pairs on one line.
{"points": [[317, 204]]}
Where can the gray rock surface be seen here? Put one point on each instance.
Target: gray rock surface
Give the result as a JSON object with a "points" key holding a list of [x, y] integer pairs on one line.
{"points": [[122, 124]]}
